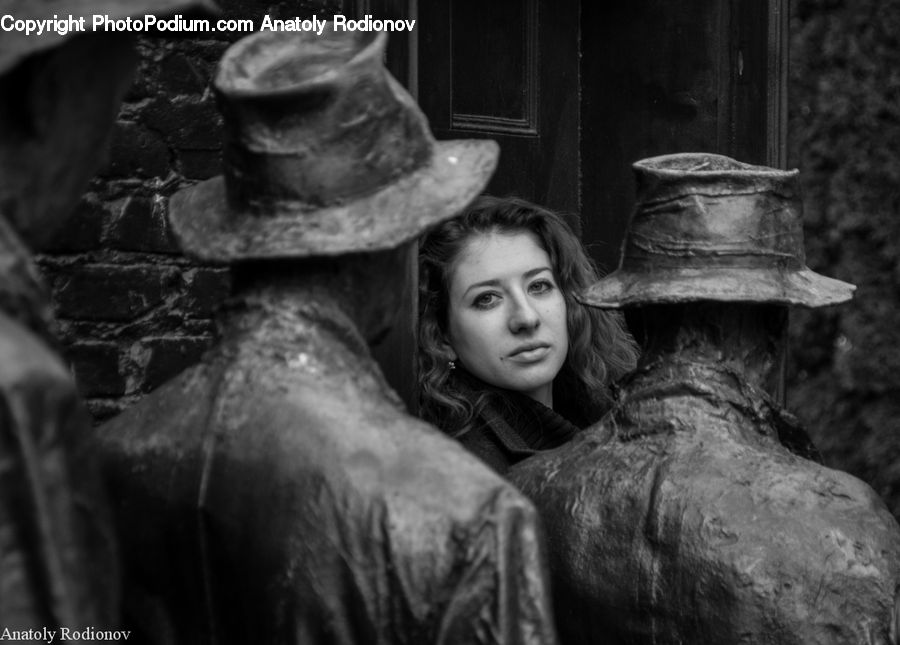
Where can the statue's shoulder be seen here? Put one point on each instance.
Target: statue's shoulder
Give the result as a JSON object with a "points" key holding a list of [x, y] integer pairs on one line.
{"points": [[172, 419]]}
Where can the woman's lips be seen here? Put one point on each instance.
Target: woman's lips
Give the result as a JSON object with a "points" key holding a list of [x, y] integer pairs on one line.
{"points": [[529, 353]]}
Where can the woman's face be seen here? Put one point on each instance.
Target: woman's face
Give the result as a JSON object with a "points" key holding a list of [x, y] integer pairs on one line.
{"points": [[506, 314]]}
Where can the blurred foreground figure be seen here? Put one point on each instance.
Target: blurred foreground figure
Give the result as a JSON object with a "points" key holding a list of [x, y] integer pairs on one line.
{"points": [[278, 492], [690, 514], [59, 96]]}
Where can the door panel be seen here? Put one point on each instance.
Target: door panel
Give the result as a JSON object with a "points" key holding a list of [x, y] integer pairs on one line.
{"points": [[507, 71]]}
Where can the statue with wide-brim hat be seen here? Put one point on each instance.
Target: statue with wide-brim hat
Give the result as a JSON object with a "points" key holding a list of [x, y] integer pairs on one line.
{"points": [[692, 513], [278, 492], [59, 97], [707, 227]]}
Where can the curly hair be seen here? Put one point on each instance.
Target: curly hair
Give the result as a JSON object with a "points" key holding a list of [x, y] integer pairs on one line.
{"points": [[600, 349]]}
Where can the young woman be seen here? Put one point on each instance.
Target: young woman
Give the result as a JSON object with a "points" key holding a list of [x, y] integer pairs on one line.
{"points": [[509, 362]]}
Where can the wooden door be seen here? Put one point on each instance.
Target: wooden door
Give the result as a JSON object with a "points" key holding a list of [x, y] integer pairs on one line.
{"points": [[508, 70], [663, 77]]}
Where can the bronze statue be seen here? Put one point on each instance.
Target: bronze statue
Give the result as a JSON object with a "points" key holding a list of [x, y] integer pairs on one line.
{"points": [[278, 492], [58, 100], [687, 514]]}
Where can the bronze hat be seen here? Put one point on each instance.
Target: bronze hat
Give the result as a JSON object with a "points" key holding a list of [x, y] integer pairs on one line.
{"points": [[707, 227], [325, 153], [15, 46]]}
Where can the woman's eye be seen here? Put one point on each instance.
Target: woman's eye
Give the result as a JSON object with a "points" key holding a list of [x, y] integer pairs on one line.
{"points": [[541, 286], [484, 300]]}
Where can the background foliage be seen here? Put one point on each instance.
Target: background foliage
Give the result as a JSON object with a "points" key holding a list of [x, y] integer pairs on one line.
{"points": [[844, 136]]}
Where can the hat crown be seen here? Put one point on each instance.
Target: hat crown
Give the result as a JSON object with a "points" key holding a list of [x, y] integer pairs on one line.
{"points": [[313, 122], [702, 210]]}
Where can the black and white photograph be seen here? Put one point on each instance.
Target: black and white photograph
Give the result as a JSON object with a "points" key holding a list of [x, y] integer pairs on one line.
{"points": [[443, 322]]}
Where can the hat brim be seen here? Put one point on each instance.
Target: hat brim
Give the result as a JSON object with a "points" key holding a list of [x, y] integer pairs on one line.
{"points": [[15, 46], [802, 287], [208, 229]]}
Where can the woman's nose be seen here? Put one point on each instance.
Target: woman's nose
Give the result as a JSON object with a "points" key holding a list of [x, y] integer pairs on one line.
{"points": [[523, 317]]}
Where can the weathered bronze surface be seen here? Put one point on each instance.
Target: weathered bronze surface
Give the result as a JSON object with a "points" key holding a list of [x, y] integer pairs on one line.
{"points": [[278, 492], [58, 100], [58, 564], [318, 165], [707, 227], [57, 550], [682, 517]]}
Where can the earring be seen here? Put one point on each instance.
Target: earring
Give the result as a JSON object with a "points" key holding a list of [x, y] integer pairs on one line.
{"points": [[451, 365]]}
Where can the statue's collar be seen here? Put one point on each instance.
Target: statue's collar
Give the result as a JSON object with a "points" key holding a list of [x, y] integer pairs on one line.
{"points": [[288, 317], [648, 398], [669, 376]]}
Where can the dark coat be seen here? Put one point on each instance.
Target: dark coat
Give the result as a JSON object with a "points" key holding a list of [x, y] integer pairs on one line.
{"points": [[279, 493], [680, 518], [57, 551], [508, 426]]}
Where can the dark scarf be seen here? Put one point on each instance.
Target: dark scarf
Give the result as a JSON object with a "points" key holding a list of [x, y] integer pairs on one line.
{"points": [[510, 426]]}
